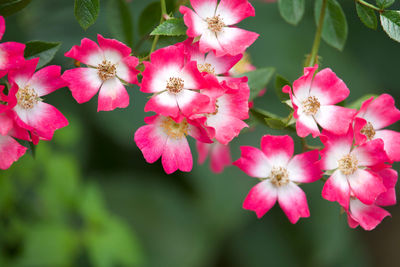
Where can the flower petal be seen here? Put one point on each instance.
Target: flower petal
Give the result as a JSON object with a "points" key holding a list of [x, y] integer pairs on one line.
{"points": [[126, 69], [47, 80], [196, 25], [84, 83], [112, 95], [234, 41], [204, 8], [370, 153], [335, 119], [366, 185], [234, 11], [336, 146], [10, 151], [277, 149], [304, 168], [177, 156], [113, 50], [293, 202], [368, 216], [261, 198], [253, 162], [337, 188], [391, 140], [88, 53]]}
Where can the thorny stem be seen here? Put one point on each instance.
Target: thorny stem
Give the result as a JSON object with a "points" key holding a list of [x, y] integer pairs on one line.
{"points": [[362, 2], [163, 14], [317, 39]]}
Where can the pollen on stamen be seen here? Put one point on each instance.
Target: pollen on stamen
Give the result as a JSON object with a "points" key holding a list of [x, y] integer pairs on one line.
{"points": [[348, 164], [311, 105], [174, 129], [368, 130], [106, 70], [175, 85], [215, 24], [279, 176], [206, 67], [27, 97]]}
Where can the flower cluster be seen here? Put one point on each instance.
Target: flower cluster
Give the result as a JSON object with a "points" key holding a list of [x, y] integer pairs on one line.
{"points": [[357, 153], [23, 113]]}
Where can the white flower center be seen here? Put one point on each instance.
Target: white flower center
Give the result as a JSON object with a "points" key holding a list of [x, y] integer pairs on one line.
{"points": [[215, 23], [27, 97], [368, 130], [106, 70], [311, 105], [279, 176], [173, 129], [175, 85], [348, 164]]}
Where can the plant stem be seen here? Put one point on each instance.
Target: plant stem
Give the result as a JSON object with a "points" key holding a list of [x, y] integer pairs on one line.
{"points": [[362, 2], [163, 12], [317, 39]]}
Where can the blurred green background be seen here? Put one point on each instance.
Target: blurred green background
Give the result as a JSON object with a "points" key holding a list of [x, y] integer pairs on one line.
{"points": [[88, 198]]}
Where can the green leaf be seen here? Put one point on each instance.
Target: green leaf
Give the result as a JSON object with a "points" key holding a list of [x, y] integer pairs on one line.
{"points": [[367, 16], [120, 21], [258, 80], [149, 18], [171, 27], [357, 103], [86, 12], [390, 21], [275, 123], [334, 30], [44, 50], [384, 3], [9, 7], [280, 82], [292, 10]]}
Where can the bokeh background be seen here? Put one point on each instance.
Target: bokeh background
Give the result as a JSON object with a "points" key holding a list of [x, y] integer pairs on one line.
{"points": [[88, 198]]}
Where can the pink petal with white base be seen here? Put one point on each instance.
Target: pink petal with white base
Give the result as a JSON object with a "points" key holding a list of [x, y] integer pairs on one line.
{"points": [[306, 125], [151, 141], [366, 185], [43, 119], [2, 26], [163, 104], [234, 11], [209, 42], [47, 80], [328, 88], [88, 53], [302, 86], [84, 83], [11, 55], [293, 202], [10, 151], [177, 156], [370, 153], [202, 150], [304, 168], [204, 8], [337, 188], [253, 162], [24, 73], [112, 49], [277, 149], [225, 127], [391, 140], [335, 119], [222, 64], [112, 95], [196, 25], [381, 112], [126, 69], [368, 216], [234, 41], [261, 198], [389, 178]]}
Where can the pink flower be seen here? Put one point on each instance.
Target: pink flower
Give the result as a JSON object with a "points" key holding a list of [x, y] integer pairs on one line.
{"points": [[175, 84], [110, 66], [220, 155], [211, 21], [11, 53], [351, 168], [24, 99], [280, 173], [374, 115], [231, 108], [10, 149], [166, 138], [314, 99]]}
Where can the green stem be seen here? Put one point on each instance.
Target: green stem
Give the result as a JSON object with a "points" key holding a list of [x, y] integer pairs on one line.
{"points": [[313, 58], [163, 13], [362, 2]]}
